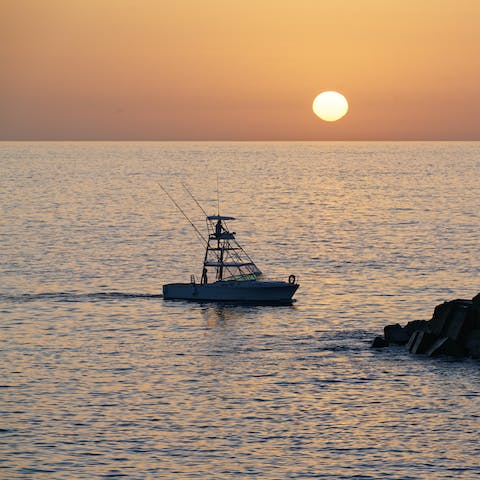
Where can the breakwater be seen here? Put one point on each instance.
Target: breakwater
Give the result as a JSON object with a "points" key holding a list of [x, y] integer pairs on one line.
{"points": [[453, 330]]}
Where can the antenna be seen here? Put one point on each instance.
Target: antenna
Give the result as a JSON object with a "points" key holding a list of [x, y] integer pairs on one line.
{"points": [[183, 213], [218, 199]]}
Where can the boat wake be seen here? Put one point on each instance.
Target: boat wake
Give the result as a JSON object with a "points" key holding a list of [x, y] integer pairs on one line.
{"points": [[76, 297]]}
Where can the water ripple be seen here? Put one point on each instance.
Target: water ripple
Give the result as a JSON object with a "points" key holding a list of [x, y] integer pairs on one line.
{"points": [[100, 378]]}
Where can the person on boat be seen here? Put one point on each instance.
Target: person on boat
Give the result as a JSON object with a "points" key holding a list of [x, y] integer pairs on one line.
{"points": [[204, 280], [218, 229]]}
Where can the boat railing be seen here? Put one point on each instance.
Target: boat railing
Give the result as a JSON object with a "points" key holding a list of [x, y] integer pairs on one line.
{"points": [[222, 236]]}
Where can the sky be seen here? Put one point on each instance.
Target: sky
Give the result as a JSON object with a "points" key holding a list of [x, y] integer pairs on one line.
{"points": [[238, 70]]}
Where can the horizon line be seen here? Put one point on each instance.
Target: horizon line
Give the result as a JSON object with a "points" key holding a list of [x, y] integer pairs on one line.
{"points": [[241, 140]]}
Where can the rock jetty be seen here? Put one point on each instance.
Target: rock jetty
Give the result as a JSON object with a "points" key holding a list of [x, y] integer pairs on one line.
{"points": [[453, 330]]}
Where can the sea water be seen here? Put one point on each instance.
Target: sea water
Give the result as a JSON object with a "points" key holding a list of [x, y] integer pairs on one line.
{"points": [[102, 378]]}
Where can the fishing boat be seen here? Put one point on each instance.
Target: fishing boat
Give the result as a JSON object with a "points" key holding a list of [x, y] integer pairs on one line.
{"points": [[229, 274]]}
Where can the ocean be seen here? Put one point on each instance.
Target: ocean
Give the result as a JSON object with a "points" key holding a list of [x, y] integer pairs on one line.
{"points": [[102, 378]]}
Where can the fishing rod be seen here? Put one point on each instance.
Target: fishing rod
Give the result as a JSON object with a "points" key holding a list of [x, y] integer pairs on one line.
{"points": [[183, 213]]}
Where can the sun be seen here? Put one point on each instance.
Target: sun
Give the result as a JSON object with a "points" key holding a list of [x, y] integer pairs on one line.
{"points": [[330, 106]]}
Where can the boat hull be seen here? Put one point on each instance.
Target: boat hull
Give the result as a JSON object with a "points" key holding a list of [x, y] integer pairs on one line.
{"points": [[254, 292]]}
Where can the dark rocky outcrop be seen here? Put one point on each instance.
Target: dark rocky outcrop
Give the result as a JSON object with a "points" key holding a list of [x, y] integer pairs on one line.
{"points": [[396, 334], [379, 342], [453, 330]]}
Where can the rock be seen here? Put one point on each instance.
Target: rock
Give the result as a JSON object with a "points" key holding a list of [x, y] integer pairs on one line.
{"points": [[396, 334], [457, 325], [412, 340], [379, 342], [476, 299], [416, 325], [472, 344], [473, 315], [423, 341], [446, 346], [440, 317]]}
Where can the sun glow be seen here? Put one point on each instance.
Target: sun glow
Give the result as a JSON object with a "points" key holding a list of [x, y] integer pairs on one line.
{"points": [[330, 106]]}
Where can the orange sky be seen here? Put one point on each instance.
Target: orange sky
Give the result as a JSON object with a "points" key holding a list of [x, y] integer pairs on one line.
{"points": [[238, 70]]}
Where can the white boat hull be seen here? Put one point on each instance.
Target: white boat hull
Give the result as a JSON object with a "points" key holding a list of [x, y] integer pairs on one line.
{"points": [[251, 291]]}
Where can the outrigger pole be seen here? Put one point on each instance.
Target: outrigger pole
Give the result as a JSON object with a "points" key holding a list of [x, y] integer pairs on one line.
{"points": [[184, 214], [195, 200]]}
